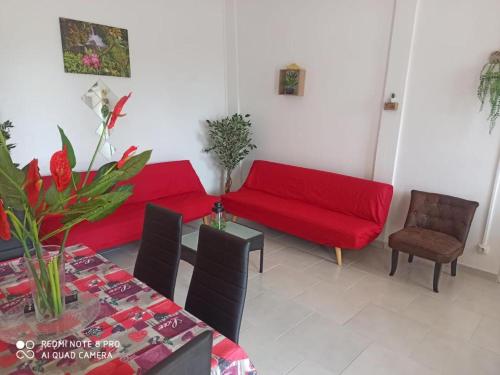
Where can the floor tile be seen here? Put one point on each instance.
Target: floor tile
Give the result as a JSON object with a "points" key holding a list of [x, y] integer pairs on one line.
{"points": [[342, 277], [378, 360], [481, 296], [254, 264], [272, 244], [473, 360], [309, 367], [387, 293], [307, 315], [272, 315], [271, 357], [444, 316], [334, 302], [450, 355], [324, 342], [388, 328], [120, 257], [487, 335], [284, 280], [291, 257]]}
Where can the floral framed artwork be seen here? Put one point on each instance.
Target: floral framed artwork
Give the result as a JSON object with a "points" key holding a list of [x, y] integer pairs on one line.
{"points": [[90, 48]]}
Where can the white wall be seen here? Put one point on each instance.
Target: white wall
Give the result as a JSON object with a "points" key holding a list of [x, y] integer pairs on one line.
{"points": [[177, 62], [343, 46], [444, 144], [184, 70]]}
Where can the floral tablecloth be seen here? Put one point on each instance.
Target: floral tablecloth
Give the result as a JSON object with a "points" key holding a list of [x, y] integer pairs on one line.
{"points": [[144, 326]]}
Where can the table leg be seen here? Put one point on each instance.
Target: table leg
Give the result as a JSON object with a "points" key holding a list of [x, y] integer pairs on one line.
{"points": [[261, 261]]}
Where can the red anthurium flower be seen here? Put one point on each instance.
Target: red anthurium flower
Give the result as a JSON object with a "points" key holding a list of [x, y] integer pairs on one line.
{"points": [[126, 156], [117, 111], [60, 169], [33, 183], [4, 224]]}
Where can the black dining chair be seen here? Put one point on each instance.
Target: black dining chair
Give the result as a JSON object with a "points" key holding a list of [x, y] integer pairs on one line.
{"points": [[160, 251], [193, 358], [218, 286]]}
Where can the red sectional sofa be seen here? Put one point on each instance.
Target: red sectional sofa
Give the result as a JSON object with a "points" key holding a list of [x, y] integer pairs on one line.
{"points": [[173, 185], [327, 208]]}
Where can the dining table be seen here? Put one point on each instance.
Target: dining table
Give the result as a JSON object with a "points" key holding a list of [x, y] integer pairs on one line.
{"points": [[135, 328]]}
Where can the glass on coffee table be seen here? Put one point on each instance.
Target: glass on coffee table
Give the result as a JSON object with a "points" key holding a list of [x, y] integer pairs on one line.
{"points": [[253, 236]]}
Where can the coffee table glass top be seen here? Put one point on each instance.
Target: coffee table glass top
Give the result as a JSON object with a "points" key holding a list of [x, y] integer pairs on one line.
{"points": [[191, 240]]}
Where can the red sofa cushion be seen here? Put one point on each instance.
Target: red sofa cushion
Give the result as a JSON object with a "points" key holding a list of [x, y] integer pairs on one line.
{"points": [[164, 179], [353, 196], [125, 225], [323, 207], [173, 185], [192, 205], [302, 219]]}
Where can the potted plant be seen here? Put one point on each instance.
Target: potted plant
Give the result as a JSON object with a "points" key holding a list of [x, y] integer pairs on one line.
{"points": [[231, 141], [5, 128], [291, 81], [71, 196], [489, 86]]}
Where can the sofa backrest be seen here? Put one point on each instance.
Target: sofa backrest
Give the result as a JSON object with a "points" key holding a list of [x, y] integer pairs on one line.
{"points": [[358, 197], [165, 179], [159, 180]]}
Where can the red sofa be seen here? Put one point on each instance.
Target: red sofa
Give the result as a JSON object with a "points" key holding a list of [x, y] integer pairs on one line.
{"points": [[327, 208], [173, 185]]}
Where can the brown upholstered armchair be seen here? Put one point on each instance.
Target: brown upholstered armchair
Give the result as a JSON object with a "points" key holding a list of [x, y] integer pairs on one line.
{"points": [[436, 228]]}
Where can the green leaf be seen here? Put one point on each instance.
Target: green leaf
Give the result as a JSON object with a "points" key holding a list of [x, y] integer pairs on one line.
{"points": [[56, 200], [93, 210], [134, 165], [77, 177], [114, 201], [125, 188], [101, 184], [69, 147], [230, 140], [97, 208], [104, 169], [11, 179]]}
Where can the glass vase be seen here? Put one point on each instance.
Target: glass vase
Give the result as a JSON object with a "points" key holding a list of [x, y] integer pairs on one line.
{"points": [[217, 219], [45, 268]]}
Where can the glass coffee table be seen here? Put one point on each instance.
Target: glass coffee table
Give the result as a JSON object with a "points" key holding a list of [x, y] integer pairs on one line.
{"points": [[254, 237]]}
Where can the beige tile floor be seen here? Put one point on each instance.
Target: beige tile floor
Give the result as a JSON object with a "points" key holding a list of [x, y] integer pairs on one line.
{"points": [[306, 315]]}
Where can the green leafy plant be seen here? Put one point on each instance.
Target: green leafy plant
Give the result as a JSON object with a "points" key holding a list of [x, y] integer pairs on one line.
{"points": [[72, 197], [5, 128], [489, 86], [291, 81], [231, 141]]}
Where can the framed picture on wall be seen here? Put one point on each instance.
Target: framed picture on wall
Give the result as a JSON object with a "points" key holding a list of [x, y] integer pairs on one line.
{"points": [[90, 48]]}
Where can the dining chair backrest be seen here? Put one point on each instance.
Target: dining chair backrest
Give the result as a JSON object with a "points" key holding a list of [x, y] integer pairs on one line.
{"points": [[218, 286], [160, 250], [193, 358]]}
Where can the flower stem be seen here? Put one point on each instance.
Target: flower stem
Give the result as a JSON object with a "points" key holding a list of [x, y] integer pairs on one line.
{"points": [[105, 126]]}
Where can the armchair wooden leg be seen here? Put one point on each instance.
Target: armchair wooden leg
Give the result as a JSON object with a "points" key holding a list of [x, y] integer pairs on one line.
{"points": [[234, 219], [454, 267], [410, 258], [338, 254], [206, 220], [394, 262], [437, 274]]}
